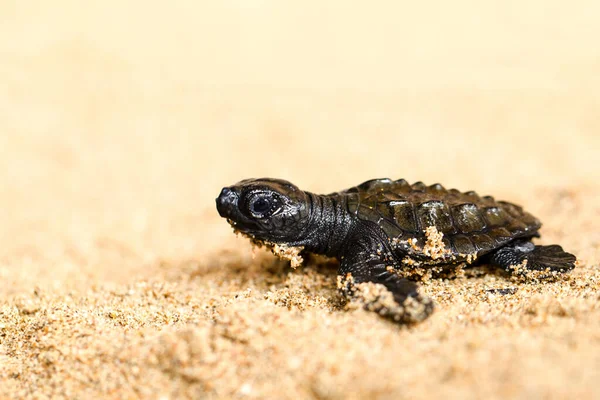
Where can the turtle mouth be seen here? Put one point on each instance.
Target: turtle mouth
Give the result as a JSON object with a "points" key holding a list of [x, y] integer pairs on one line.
{"points": [[253, 232]]}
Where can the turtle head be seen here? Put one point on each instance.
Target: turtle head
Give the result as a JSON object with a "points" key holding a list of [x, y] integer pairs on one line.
{"points": [[269, 209]]}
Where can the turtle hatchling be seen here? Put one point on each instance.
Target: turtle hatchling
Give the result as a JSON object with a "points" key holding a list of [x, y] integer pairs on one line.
{"points": [[382, 230]]}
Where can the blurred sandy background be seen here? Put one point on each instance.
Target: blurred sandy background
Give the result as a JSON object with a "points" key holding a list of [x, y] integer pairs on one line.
{"points": [[121, 121]]}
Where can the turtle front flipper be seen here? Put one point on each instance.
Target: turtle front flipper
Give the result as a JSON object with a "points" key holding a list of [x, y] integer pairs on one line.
{"points": [[523, 258], [366, 279]]}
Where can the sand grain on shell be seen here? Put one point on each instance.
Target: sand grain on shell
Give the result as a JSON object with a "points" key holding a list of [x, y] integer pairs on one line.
{"points": [[434, 246]]}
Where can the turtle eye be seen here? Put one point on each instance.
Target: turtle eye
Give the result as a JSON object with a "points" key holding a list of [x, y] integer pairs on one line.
{"points": [[262, 206]]}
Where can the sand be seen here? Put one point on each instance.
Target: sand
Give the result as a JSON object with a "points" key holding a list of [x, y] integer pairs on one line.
{"points": [[121, 121]]}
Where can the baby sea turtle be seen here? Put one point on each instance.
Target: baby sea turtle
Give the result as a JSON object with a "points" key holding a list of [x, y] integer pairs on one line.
{"points": [[381, 230]]}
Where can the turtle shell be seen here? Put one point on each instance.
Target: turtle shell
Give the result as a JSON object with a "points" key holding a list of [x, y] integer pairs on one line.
{"points": [[471, 225]]}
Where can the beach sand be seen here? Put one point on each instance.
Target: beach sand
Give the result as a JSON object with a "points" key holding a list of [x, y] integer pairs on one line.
{"points": [[121, 121]]}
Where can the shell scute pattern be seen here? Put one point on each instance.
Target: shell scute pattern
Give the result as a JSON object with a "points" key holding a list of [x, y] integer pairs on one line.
{"points": [[470, 223], [463, 245], [496, 216], [468, 218], [418, 187], [500, 235], [374, 184], [435, 213], [436, 187], [483, 241], [403, 214]]}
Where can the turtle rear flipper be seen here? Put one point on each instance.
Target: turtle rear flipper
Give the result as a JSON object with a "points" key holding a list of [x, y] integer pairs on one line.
{"points": [[522, 256]]}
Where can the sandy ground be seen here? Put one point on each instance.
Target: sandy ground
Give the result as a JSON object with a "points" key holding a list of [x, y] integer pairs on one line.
{"points": [[121, 121]]}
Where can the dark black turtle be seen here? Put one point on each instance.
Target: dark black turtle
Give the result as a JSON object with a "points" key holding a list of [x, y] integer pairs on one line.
{"points": [[382, 229]]}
